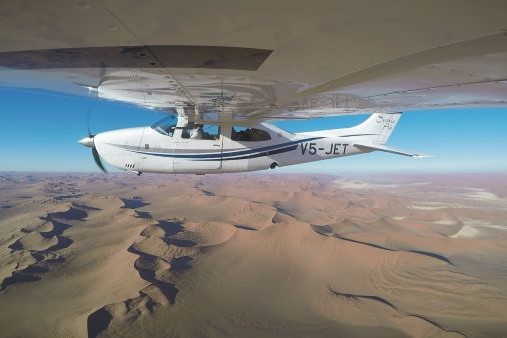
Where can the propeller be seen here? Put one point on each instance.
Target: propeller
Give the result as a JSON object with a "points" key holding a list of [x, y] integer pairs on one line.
{"points": [[90, 135], [97, 159], [89, 142]]}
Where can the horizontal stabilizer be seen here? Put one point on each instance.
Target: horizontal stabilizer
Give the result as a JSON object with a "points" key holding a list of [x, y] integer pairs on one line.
{"points": [[389, 150]]}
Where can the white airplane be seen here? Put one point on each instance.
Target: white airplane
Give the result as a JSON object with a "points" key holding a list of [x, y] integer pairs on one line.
{"points": [[234, 66], [175, 146]]}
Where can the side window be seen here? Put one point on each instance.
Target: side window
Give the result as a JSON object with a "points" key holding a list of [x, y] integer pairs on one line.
{"points": [[201, 132], [243, 134]]}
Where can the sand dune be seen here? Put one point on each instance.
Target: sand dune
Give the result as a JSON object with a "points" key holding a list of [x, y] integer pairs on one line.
{"points": [[377, 312], [252, 255]]}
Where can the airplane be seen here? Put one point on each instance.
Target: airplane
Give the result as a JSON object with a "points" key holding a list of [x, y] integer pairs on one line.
{"points": [[175, 146], [231, 68]]}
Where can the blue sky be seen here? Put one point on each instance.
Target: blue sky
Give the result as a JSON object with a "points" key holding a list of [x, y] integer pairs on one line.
{"points": [[39, 132]]}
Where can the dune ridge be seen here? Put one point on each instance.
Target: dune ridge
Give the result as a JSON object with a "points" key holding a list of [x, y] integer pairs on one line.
{"points": [[363, 300], [42, 242], [252, 255], [166, 250]]}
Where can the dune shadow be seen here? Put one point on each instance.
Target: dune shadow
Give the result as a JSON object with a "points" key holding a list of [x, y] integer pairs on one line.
{"points": [[417, 252], [45, 258], [58, 229], [73, 214], [432, 255], [133, 203], [282, 210], [168, 289], [184, 243], [170, 228], [143, 214], [19, 277], [41, 256], [158, 271], [31, 273], [63, 242], [87, 207], [98, 321], [355, 297], [376, 246], [244, 227], [181, 263], [16, 246], [148, 271], [324, 230], [64, 197], [206, 193]]}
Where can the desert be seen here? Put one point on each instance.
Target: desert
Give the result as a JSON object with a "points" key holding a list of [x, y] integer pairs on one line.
{"points": [[253, 255]]}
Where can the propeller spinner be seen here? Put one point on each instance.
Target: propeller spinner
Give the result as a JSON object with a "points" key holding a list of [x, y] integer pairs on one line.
{"points": [[88, 142]]}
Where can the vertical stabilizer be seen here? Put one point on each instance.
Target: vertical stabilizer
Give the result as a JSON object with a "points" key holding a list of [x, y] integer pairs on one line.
{"points": [[377, 128]]}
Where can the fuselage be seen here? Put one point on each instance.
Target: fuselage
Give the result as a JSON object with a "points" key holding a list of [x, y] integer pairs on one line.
{"points": [[225, 149]]}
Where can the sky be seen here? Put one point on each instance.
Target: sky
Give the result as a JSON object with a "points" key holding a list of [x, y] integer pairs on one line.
{"points": [[39, 132]]}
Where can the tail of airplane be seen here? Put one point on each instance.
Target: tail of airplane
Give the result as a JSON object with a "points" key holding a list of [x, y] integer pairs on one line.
{"points": [[371, 135], [376, 129]]}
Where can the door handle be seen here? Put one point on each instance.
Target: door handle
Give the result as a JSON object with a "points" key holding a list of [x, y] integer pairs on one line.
{"points": [[216, 145]]}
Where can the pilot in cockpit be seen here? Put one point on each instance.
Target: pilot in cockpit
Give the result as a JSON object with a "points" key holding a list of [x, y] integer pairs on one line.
{"points": [[197, 133]]}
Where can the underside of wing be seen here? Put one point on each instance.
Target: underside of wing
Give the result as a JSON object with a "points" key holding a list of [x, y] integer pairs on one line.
{"points": [[254, 61]]}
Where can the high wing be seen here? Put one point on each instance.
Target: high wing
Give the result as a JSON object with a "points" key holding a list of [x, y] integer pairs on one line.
{"points": [[256, 60]]}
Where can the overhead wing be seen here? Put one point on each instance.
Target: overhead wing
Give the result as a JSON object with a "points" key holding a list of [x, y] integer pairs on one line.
{"points": [[256, 60], [464, 74]]}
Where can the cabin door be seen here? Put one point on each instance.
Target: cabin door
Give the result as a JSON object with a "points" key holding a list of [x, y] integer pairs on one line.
{"points": [[198, 149]]}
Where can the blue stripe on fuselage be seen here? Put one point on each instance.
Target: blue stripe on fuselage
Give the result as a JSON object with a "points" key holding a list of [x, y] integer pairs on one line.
{"points": [[229, 155], [264, 153]]}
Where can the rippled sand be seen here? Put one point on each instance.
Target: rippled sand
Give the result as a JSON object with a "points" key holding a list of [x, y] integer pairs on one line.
{"points": [[253, 255]]}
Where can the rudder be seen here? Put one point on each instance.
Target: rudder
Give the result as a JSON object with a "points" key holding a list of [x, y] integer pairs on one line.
{"points": [[377, 128]]}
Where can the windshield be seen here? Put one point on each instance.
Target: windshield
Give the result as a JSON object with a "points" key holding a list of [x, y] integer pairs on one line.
{"points": [[165, 126]]}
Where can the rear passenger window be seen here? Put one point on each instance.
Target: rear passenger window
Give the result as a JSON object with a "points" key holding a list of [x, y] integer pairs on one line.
{"points": [[243, 134]]}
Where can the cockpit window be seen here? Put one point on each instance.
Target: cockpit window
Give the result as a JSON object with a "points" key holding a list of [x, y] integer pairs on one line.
{"points": [[165, 126], [243, 134], [197, 131]]}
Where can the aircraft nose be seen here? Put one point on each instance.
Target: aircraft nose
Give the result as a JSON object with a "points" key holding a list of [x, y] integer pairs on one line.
{"points": [[87, 142]]}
